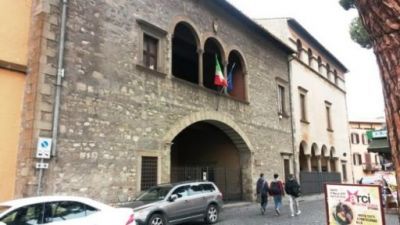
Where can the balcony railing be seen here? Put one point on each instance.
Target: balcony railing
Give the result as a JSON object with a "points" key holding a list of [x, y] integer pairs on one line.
{"points": [[371, 166]]}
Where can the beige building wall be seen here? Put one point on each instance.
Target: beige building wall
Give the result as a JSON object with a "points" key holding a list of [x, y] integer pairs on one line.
{"points": [[360, 147], [14, 29], [323, 84]]}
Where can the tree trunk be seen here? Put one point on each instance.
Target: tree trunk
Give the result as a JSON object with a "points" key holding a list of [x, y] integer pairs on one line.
{"points": [[381, 18]]}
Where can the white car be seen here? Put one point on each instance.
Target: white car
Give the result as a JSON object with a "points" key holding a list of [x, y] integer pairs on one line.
{"points": [[62, 210]]}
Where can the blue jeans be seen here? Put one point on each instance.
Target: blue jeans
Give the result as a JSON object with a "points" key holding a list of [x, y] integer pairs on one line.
{"points": [[278, 201]]}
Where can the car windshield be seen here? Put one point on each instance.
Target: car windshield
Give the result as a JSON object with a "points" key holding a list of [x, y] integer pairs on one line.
{"points": [[155, 193], [4, 208]]}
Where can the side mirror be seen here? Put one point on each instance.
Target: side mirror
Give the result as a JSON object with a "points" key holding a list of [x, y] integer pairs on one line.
{"points": [[171, 198]]}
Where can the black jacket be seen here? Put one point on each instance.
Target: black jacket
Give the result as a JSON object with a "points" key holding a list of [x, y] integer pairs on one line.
{"points": [[292, 188]]}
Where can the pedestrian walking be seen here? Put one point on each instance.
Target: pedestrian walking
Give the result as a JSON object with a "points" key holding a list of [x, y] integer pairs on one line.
{"points": [[292, 189], [259, 187], [276, 191], [264, 196]]}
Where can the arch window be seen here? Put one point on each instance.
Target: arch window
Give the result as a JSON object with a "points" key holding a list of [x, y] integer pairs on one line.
{"points": [[185, 61], [310, 56], [236, 76], [212, 48], [336, 77], [319, 64], [299, 48], [328, 71]]}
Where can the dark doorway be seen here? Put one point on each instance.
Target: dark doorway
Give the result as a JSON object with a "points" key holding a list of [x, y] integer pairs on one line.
{"points": [[184, 53], [286, 164], [303, 158], [204, 152]]}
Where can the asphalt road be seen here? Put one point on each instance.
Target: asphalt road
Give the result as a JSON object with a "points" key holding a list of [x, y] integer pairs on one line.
{"points": [[313, 213]]}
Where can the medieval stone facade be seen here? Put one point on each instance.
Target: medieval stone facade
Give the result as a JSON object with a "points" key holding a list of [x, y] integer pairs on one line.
{"points": [[131, 87]]}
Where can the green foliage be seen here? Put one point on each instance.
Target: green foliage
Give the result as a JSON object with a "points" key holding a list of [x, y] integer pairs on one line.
{"points": [[347, 4], [359, 34]]}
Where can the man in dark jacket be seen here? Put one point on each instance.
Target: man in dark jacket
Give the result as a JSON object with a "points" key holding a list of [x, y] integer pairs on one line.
{"points": [[292, 188], [260, 189]]}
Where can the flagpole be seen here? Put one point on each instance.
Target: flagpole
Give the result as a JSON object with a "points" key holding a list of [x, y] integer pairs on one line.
{"points": [[219, 93]]}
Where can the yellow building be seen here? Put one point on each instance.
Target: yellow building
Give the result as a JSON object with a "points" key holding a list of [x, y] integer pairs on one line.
{"points": [[14, 29]]}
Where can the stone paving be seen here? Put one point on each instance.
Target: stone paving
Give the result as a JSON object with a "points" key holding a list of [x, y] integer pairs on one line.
{"points": [[313, 213]]}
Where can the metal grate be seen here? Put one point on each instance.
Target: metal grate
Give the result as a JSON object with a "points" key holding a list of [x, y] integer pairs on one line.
{"points": [[149, 172]]}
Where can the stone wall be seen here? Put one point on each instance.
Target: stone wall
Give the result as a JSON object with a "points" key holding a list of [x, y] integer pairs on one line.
{"points": [[113, 110]]}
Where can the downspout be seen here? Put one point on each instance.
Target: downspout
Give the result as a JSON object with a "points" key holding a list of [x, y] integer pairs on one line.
{"points": [[60, 76], [290, 58], [56, 109]]}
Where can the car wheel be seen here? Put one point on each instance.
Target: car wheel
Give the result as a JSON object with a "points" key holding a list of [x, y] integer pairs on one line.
{"points": [[157, 219], [211, 214]]}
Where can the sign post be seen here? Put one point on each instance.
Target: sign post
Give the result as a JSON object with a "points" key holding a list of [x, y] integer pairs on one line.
{"points": [[43, 151], [354, 204]]}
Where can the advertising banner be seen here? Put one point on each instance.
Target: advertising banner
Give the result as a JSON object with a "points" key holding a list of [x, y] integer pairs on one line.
{"points": [[353, 204]]}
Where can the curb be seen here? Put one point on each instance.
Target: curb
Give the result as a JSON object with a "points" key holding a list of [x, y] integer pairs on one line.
{"points": [[236, 205]]}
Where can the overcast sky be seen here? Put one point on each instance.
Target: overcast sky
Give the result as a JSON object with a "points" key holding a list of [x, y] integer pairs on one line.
{"points": [[329, 23]]}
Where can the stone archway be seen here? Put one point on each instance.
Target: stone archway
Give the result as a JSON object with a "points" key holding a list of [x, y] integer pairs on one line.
{"points": [[227, 131]]}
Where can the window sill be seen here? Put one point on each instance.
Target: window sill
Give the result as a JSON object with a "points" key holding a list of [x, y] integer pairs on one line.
{"points": [[304, 121], [148, 70], [330, 130], [194, 85]]}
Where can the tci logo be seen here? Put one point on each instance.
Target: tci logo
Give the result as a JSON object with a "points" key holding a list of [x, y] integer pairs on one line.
{"points": [[354, 198]]}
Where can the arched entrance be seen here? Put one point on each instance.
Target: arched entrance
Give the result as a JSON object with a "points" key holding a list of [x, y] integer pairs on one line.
{"points": [[210, 146], [202, 151], [303, 157]]}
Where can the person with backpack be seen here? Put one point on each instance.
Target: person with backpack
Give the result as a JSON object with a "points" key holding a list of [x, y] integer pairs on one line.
{"points": [[292, 188], [276, 191], [264, 197], [260, 189]]}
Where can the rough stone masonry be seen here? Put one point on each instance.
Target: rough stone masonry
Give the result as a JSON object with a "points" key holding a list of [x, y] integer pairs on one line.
{"points": [[114, 110]]}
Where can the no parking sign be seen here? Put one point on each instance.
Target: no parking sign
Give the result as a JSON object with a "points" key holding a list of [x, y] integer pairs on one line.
{"points": [[43, 148]]}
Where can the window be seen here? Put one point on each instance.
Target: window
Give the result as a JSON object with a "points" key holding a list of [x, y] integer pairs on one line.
{"points": [[328, 117], [181, 191], [310, 57], [281, 100], [359, 159], [355, 139], [344, 171], [208, 187], [328, 72], [195, 190], [150, 52], [364, 139], [149, 172], [299, 49], [27, 215], [60, 211], [336, 77], [303, 111], [319, 64]]}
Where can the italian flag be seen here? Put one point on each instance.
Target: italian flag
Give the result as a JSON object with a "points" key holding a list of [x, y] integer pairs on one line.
{"points": [[219, 79]]}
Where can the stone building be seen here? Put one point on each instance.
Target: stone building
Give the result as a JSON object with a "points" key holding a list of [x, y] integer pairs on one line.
{"points": [[138, 105], [364, 162], [318, 97], [14, 29]]}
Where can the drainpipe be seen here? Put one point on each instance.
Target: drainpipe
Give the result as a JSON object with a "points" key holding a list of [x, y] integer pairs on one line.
{"points": [[60, 75], [290, 58]]}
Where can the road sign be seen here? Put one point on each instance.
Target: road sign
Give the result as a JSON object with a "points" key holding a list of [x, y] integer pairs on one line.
{"points": [[43, 148], [42, 165]]}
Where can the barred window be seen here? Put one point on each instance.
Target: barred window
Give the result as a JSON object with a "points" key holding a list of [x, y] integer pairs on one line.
{"points": [[149, 172]]}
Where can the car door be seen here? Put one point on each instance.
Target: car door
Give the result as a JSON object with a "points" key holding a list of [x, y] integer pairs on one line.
{"points": [[26, 215], [179, 208], [198, 200], [68, 213]]}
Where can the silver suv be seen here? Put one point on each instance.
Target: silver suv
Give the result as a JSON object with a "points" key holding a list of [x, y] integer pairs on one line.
{"points": [[177, 203]]}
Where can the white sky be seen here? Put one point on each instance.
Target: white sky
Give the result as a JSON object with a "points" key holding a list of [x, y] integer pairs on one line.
{"points": [[329, 23]]}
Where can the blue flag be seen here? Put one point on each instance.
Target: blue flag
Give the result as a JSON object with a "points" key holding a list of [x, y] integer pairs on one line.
{"points": [[230, 78]]}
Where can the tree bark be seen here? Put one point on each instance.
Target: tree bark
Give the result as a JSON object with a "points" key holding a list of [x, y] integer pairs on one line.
{"points": [[381, 18]]}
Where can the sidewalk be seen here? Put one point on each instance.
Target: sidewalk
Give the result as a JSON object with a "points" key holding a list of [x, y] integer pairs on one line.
{"points": [[285, 201]]}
